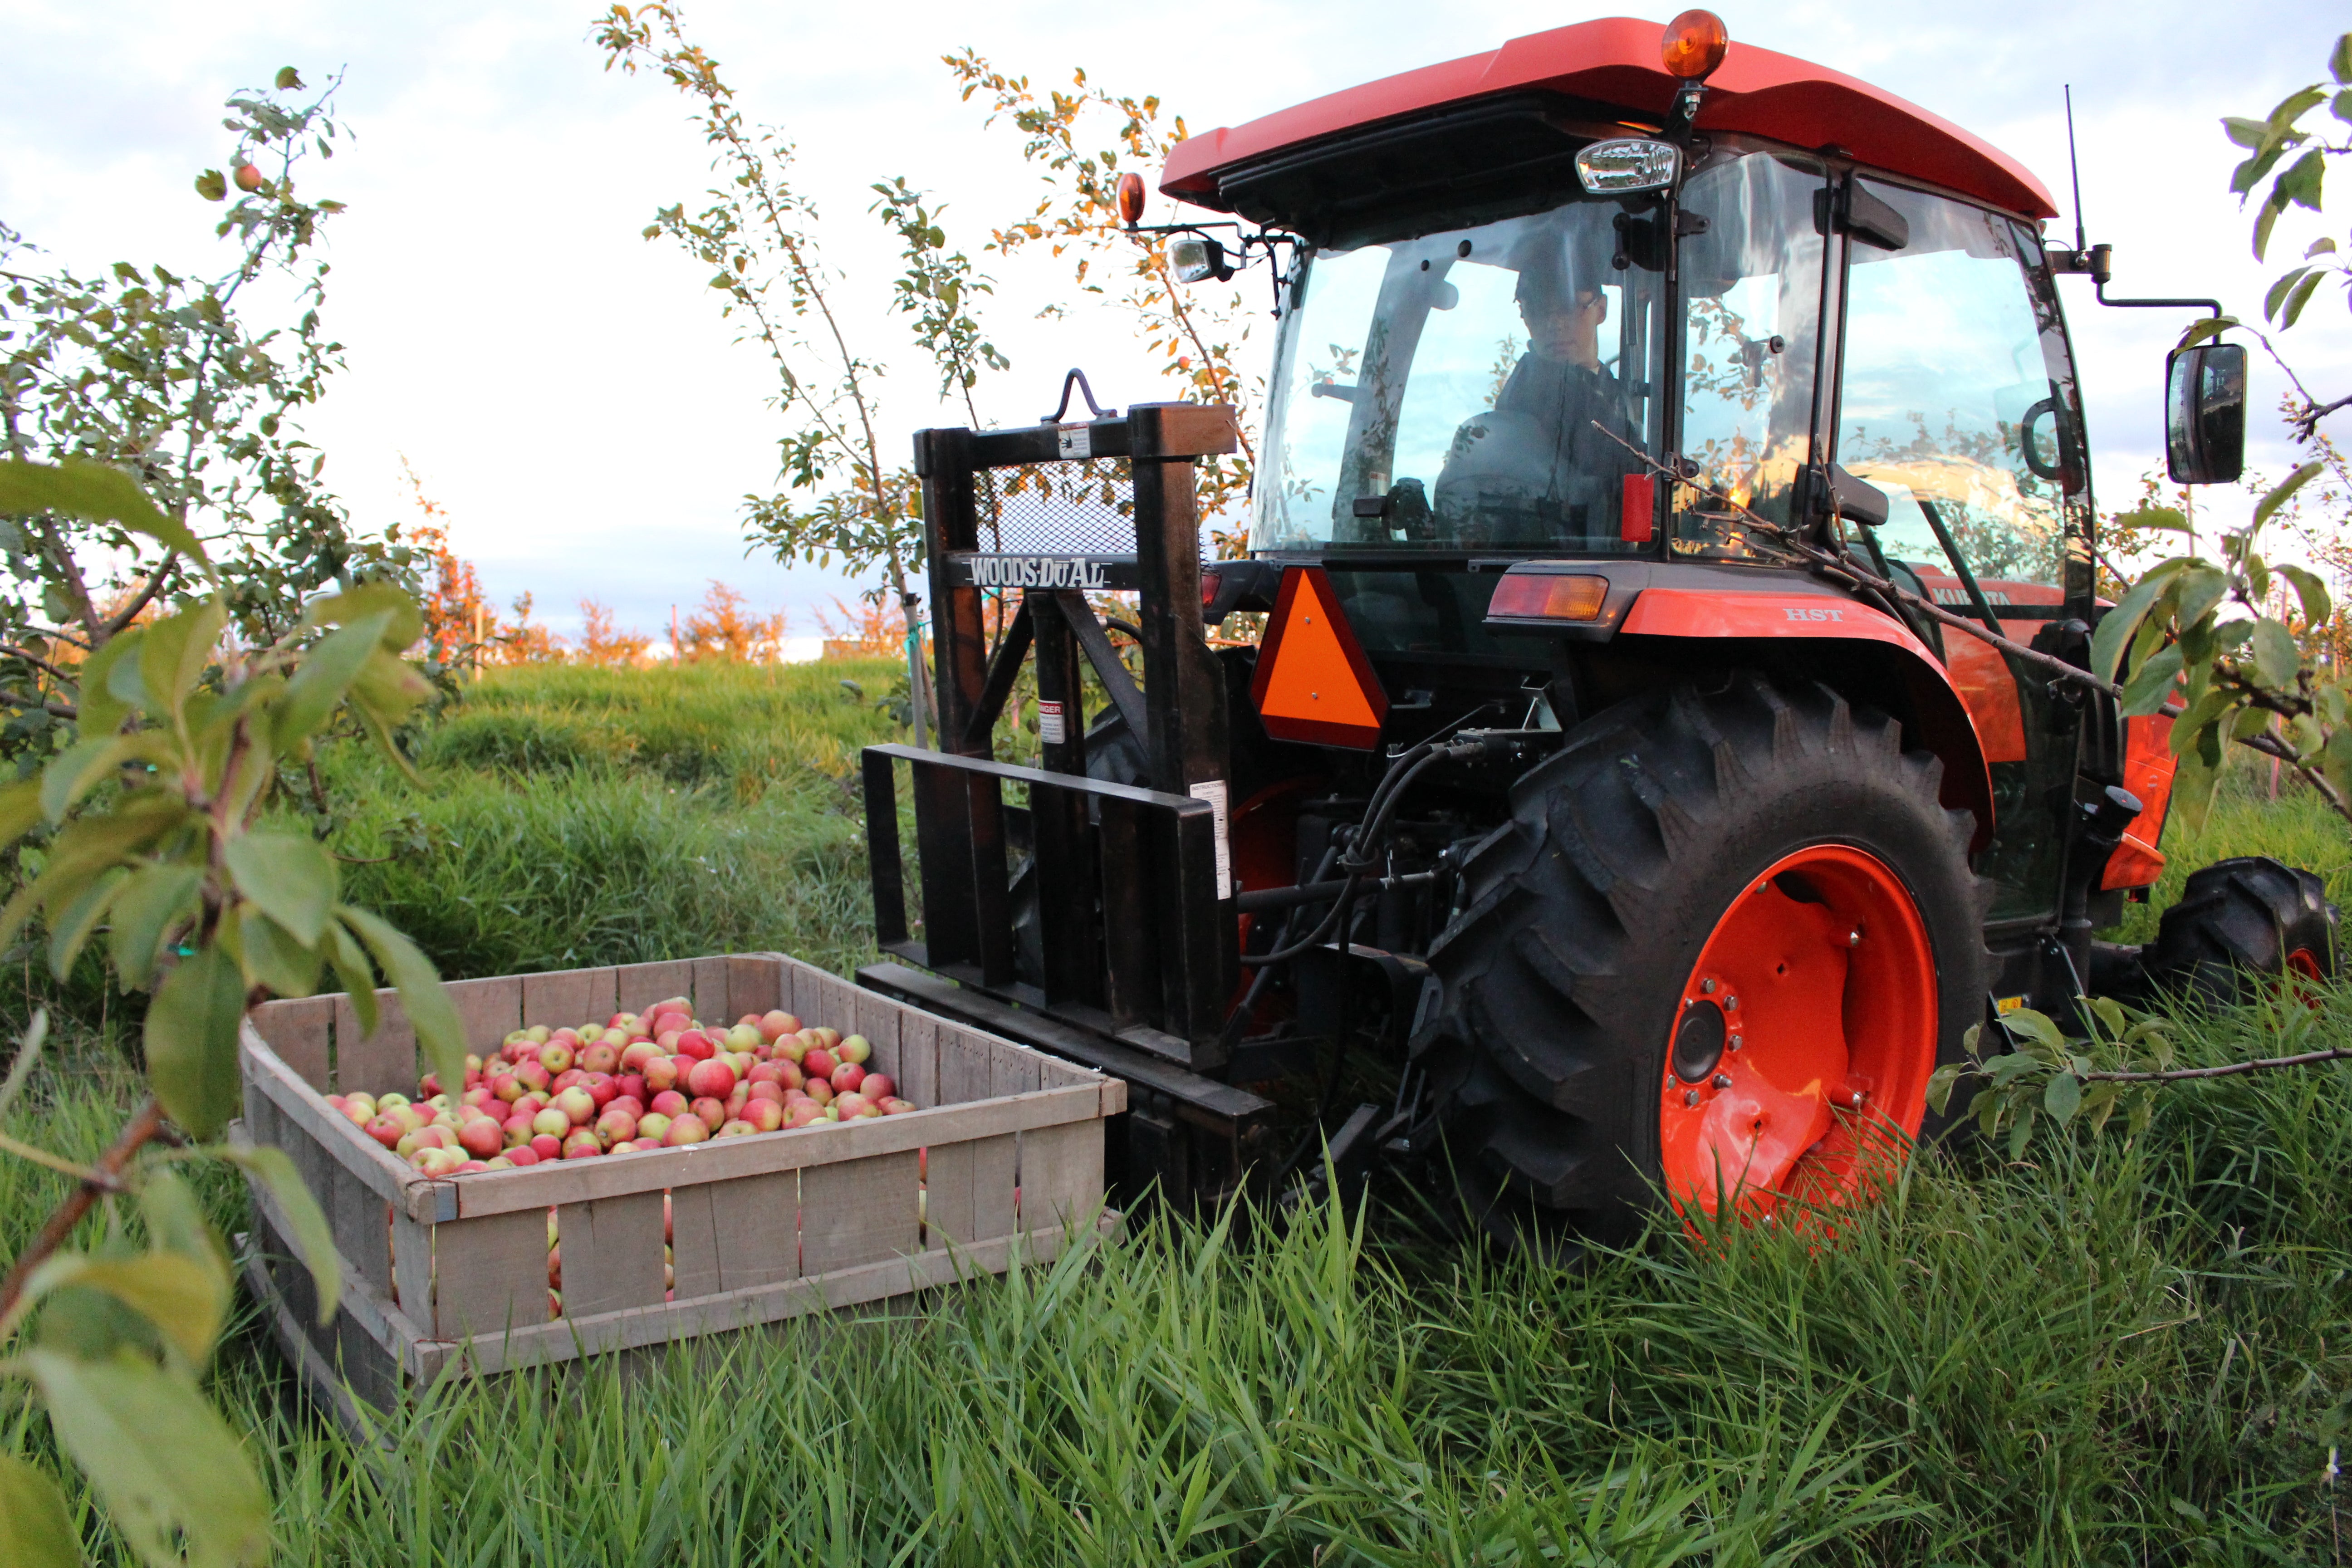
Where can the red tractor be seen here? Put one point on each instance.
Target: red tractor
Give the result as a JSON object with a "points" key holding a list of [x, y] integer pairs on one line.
{"points": [[1633, 854]]}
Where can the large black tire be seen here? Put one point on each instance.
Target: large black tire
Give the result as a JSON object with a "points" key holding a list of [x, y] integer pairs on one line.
{"points": [[2240, 922], [1583, 919]]}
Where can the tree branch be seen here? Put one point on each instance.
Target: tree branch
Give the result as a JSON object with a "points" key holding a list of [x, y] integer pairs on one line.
{"points": [[143, 1130], [2229, 1069], [155, 580]]}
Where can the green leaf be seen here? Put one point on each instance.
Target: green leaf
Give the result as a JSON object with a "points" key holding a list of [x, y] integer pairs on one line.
{"points": [[2035, 1027], [2194, 780], [2115, 627], [388, 689], [20, 810], [312, 1238], [83, 766], [2302, 297], [2201, 588], [2107, 1012], [70, 930], [172, 1474], [2151, 684], [2280, 290], [2099, 1104], [81, 488], [1940, 1084], [364, 603], [35, 1531], [354, 975], [2312, 590], [185, 1302], [211, 186], [2339, 60], [2062, 1097], [288, 80], [2276, 657], [430, 1012], [191, 1039], [158, 898], [2006, 1070], [2284, 491], [2021, 1133], [290, 877], [271, 957], [174, 653], [327, 671], [102, 712]]}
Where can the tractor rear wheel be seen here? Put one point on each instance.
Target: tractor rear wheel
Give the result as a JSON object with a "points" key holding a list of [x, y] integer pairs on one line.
{"points": [[2238, 920], [1717, 952]]}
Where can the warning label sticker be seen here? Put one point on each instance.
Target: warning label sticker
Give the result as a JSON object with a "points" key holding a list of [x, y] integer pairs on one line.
{"points": [[1219, 796], [1052, 729]]}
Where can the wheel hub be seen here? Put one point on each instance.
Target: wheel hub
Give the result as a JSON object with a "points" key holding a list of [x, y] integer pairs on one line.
{"points": [[1804, 1037]]}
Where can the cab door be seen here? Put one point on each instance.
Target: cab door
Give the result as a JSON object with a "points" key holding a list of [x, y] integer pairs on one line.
{"points": [[1956, 396]]}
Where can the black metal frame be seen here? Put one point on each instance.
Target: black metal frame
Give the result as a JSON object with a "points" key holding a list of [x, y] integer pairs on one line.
{"points": [[1137, 924]]}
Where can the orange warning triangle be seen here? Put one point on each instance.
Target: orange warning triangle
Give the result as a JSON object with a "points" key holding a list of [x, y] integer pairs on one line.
{"points": [[1314, 683]]}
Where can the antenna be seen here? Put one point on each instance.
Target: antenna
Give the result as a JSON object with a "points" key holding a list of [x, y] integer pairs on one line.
{"points": [[2074, 171]]}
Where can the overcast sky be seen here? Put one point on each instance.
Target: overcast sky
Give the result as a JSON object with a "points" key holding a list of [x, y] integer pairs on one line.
{"points": [[569, 393]]}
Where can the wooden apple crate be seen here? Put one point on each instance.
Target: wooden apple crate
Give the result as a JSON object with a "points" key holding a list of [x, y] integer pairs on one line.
{"points": [[452, 1272]]}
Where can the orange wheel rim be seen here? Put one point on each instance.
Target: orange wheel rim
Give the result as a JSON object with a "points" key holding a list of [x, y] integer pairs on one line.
{"points": [[1797, 1064]]}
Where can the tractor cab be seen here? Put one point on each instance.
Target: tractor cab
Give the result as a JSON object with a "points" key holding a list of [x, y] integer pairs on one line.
{"points": [[1567, 813]]}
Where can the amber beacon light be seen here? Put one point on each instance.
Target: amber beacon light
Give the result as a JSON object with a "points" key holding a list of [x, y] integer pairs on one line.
{"points": [[1694, 45], [1130, 189]]}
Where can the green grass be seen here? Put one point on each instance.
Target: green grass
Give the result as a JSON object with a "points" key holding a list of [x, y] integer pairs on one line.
{"points": [[2107, 1354]]}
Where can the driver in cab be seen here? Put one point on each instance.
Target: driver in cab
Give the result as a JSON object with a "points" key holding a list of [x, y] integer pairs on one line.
{"points": [[1535, 470]]}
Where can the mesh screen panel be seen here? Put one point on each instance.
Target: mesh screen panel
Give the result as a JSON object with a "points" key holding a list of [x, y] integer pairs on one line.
{"points": [[1058, 509]]}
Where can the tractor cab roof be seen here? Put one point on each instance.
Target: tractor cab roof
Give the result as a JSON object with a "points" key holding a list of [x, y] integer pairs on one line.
{"points": [[1311, 167]]}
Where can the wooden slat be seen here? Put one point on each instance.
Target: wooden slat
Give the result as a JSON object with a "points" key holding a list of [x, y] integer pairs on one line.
{"points": [[490, 1010], [359, 1218], [712, 1003], [755, 982], [568, 997], [570, 1337], [694, 1239], [299, 1031], [612, 1250], [971, 1190], [641, 985], [1061, 1174], [725, 1159], [384, 1061], [490, 1275], [759, 1219], [879, 1020], [412, 1268], [966, 1065], [859, 1212], [829, 1003], [919, 1057], [1011, 1070], [352, 1148]]}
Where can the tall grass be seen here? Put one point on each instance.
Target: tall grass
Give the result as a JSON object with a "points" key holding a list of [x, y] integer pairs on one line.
{"points": [[2108, 1353]]}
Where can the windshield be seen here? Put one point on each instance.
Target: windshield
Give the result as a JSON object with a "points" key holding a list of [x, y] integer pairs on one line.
{"points": [[1462, 388]]}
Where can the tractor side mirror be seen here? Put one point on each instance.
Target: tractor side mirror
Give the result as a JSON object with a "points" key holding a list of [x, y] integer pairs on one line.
{"points": [[2205, 414]]}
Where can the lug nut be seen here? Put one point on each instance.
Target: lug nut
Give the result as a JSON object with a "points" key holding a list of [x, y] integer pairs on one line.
{"points": [[1691, 1097], [1735, 1041], [1731, 1004], [1723, 1080], [1856, 1100], [1853, 937], [1706, 987]]}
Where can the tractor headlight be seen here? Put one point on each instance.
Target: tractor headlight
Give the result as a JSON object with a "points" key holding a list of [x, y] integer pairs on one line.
{"points": [[1627, 164], [1196, 256]]}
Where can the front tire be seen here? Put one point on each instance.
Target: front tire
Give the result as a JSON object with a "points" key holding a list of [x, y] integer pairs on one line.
{"points": [[2240, 920], [1715, 919]]}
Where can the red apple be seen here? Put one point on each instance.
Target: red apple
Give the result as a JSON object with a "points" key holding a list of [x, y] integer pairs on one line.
{"points": [[387, 1131], [478, 1099], [660, 1073], [774, 1026], [735, 1130], [553, 1121], [819, 1090], [515, 1132], [713, 1078], [583, 1145], [894, 1106], [652, 1125], [601, 1087], [566, 1079], [737, 1098], [529, 1105], [695, 1043], [849, 1103], [877, 1086], [744, 1037], [524, 1156], [686, 1130], [534, 1076], [827, 1037], [819, 1062], [578, 1104], [767, 1115], [628, 1102], [712, 1112], [430, 1085], [507, 1086], [640, 1052], [622, 1021], [546, 1145], [803, 1114], [600, 1058], [481, 1137], [632, 1085], [855, 1049], [669, 1103], [846, 1076], [555, 1055], [616, 1127], [766, 1092]]}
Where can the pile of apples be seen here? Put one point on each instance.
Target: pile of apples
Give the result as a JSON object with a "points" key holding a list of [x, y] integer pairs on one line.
{"points": [[661, 1080]]}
